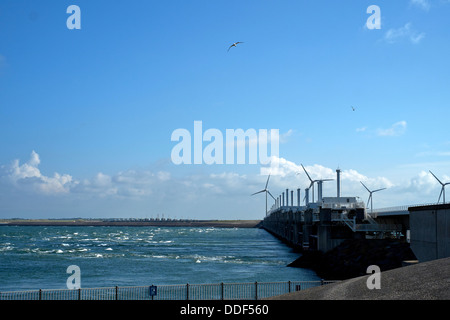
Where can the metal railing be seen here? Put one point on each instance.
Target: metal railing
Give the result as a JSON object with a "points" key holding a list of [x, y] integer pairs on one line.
{"points": [[219, 291], [372, 226], [399, 208]]}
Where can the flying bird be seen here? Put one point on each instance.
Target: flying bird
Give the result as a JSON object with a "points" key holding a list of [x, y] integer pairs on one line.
{"points": [[353, 108], [234, 45]]}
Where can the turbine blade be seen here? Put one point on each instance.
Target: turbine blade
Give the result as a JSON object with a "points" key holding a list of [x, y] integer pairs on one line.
{"points": [[267, 183], [378, 190], [258, 192], [307, 174], [365, 186], [440, 194], [436, 178], [271, 195]]}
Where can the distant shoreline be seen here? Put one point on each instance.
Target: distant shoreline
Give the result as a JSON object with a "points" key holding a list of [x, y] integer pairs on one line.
{"points": [[141, 223]]}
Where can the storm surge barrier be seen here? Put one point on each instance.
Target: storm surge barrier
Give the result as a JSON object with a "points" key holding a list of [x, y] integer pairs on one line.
{"points": [[218, 291]]}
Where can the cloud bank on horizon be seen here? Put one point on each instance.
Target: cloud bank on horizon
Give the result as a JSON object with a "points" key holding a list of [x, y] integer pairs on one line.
{"points": [[162, 193]]}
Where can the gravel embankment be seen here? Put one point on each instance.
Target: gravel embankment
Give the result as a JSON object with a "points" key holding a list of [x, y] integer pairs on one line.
{"points": [[422, 281]]}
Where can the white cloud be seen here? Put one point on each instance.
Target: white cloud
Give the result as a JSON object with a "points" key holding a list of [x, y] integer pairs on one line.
{"points": [[405, 32], [422, 4], [284, 136], [163, 175], [422, 186], [433, 154], [281, 167], [124, 184], [293, 174], [362, 129], [417, 37], [423, 181], [396, 129], [29, 176]]}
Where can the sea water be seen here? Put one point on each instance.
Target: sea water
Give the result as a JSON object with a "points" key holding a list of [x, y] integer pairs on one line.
{"points": [[37, 257]]}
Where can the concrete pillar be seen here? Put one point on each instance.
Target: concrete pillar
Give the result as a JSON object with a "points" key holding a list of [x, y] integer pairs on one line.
{"points": [[319, 191], [323, 238], [338, 172], [298, 197], [283, 200], [306, 196], [292, 198], [307, 227], [287, 197]]}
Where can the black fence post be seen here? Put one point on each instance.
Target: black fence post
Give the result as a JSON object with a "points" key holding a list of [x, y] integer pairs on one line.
{"points": [[79, 294], [40, 294], [117, 293], [289, 284], [187, 291], [256, 290], [221, 289]]}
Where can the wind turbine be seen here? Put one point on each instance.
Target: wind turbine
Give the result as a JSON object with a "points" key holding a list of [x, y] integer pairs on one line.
{"points": [[443, 187], [311, 184], [266, 191], [319, 184], [370, 196]]}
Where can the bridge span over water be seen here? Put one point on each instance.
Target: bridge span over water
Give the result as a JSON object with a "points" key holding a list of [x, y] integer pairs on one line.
{"points": [[396, 211]]}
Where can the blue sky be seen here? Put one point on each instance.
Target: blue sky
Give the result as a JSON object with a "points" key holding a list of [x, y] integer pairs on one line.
{"points": [[86, 115]]}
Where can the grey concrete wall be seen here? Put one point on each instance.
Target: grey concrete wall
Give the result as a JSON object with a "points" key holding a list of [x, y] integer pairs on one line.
{"points": [[430, 232]]}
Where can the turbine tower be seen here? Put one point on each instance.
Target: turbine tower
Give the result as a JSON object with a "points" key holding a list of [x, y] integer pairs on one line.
{"points": [[370, 196], [442, 189], [319, 188], [266, 191], [306, 198]]}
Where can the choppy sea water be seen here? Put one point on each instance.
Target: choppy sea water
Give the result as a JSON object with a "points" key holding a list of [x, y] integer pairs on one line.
{"points": [[33, 257]]}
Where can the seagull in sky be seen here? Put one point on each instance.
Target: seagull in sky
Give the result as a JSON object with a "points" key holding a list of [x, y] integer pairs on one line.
{"points": [[353, 108], [234, 45]]}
